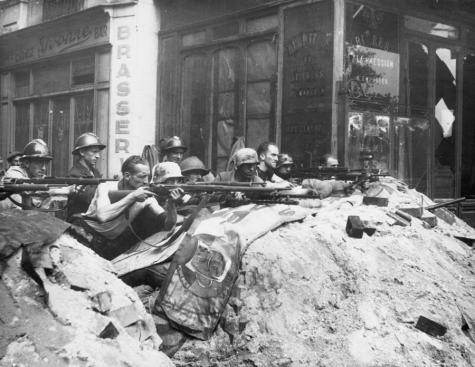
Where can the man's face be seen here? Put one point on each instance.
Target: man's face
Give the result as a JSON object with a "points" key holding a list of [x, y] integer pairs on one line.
{"points": [[91, 156], [174, 155], [139, 177], [332, 162], [193, 176], [36, 167], [15, 161], [284, 171], [270, 157], [247, 170]]}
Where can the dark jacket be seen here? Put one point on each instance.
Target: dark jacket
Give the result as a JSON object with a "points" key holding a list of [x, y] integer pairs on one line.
{"points": [[78, 203]]}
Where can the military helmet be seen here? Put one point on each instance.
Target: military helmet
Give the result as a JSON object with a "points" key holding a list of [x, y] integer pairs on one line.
{"points": [[87, 140], [193, 163], [13, 155], [174, 142], [165, 170], [285, 160], [36, 148], [245, 155]]}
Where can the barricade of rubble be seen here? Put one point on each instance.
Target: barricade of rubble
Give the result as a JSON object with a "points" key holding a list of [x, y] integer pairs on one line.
{"points": [[360, 283], [63, 305]]}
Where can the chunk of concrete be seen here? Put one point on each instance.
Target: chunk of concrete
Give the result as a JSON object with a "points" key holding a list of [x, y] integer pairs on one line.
{"points": [[375, 200], [430, 327], [354, 226], [445, 214], [429, 218]]}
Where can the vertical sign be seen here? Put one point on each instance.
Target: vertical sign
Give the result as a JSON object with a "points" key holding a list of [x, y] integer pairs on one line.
{"points": [[307, 82]]}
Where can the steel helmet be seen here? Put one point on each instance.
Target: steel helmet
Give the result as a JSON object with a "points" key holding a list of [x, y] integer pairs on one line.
{"points": [[13, 155], [245, 155], [285, 160], [87, 140], [36, 148], [174, 142], [193, 163], [164, 171]]}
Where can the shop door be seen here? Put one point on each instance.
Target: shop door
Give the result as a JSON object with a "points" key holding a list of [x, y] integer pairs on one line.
{"points": [[60, 139]]}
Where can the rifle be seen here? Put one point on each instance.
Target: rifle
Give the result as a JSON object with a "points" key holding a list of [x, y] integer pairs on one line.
{"points": [[60, 181], [337, 173], [25, 190], [224, 193]]}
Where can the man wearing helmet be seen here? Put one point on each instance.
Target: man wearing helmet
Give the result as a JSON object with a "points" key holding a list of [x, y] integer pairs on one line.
{"points": [[194, 170], [284, 166], [86, 153], [173, 150], [34, 162], [245, 164]]}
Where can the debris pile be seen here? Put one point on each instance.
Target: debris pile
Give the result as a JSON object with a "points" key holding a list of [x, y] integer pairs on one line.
{"points": [[82, 315], [312, 295]]}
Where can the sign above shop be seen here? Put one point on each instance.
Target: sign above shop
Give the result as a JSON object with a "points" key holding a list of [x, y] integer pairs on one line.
{"points": [[30, 45]]}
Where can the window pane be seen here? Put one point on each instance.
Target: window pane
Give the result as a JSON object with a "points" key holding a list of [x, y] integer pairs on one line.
{"points": [[40, 121], [445, 107], [195, 98], [226, 105], [224, 142], [411, 150], [468, 136], [418, 73], [369, 135], [261, 61], [258, 98], [226, 69], [432, 28], [83, 114], [257, 131], [51, 78], [60, 144], [22, 125], [83, 70], [22, 83]]}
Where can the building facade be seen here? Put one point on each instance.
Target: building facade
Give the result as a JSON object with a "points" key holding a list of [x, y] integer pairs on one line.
{"points": [[387, 83], [77, 66]]}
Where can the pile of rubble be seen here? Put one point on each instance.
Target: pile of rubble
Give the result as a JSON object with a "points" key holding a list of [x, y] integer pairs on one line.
{"points": [[312, 295], [82, 315]]}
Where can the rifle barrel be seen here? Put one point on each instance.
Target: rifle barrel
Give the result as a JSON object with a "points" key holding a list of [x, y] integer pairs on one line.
{"points": [[445, 203]]}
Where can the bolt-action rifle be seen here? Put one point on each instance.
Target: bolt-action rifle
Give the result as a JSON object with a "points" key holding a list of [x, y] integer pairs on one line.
{"points": [[224, 194], [59, 181]]}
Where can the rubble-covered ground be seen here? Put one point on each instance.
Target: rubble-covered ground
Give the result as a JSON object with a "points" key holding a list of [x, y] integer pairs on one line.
{"points": [[313, 296], [84, 315]]}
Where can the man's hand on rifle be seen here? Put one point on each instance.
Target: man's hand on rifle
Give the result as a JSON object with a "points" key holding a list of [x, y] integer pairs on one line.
{"points": [[140, 194], [176, 194]]}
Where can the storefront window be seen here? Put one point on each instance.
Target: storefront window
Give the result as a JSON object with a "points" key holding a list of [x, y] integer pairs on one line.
{"points": [[430, 27], [60, 118]]}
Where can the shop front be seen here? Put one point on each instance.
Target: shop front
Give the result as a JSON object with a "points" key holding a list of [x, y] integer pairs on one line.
{"points": [[374, 82], [92, 70]]}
